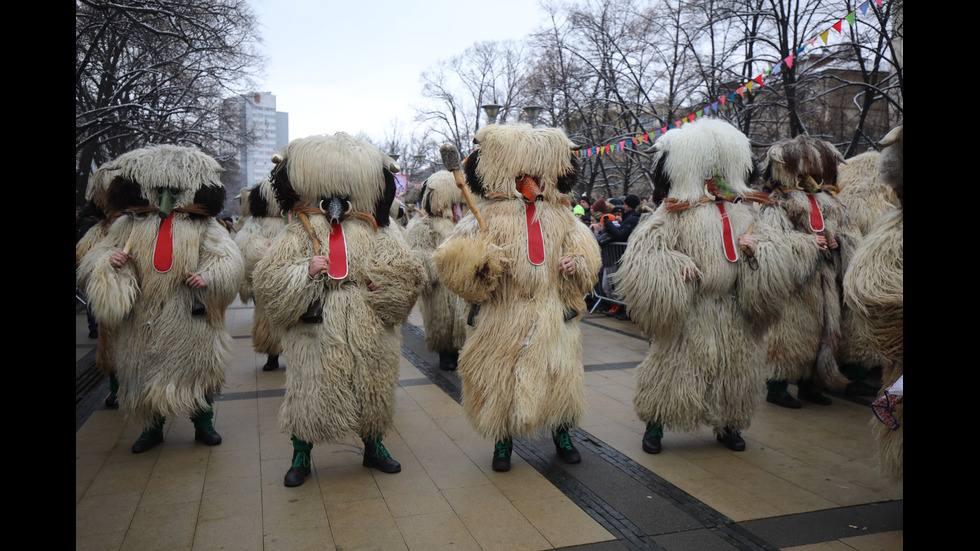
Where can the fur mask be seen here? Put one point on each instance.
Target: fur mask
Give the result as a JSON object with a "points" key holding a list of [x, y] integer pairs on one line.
{"points": [[316, 171], [700, 151], [510, 153], [168, 177], [259, 201], [801, 162], [891, 162], [441, 197]]}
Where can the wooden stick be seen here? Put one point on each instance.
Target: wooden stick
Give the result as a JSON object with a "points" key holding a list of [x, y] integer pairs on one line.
{"points": [[450, 159], [309, 231]]}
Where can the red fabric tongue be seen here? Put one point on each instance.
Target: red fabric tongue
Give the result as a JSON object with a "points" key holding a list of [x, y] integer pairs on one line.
{"points": [[535, 241], [816, 219], [338, 252], [727, 237], [163, 249]]}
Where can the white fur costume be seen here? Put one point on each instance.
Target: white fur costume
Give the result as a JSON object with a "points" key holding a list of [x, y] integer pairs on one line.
{"points": [[168, 361], [805, 343], [706, 360], [867, 199], [262, 223], [97, 193], [443, 312], [342, 371], [874, 289], [521, 366]]}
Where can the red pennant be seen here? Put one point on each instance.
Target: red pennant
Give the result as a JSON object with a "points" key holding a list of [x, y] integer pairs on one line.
{"points": [[163, 248], [727, 237], [535, 241], [338, 252], [816, 219]]}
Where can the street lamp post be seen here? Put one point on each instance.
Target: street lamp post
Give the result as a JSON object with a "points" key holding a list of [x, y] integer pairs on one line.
{"points": [[532, 112], [491, 110]]}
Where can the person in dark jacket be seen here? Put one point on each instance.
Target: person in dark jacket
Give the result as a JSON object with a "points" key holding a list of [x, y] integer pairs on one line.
{"points": [[631, 217]]}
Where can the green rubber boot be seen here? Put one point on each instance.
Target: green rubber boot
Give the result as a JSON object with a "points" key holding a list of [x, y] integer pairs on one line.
{"points": [[150, 437], [204, 427], [300, 468], [376, 456]]}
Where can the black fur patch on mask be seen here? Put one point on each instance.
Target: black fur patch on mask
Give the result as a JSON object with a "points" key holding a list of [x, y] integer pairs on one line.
{"points": [[257, 205], [124, 193], [567, 181], [426, 199], [661, 180], [382, 211], [286, 196], [472, 180], [212, 197]]}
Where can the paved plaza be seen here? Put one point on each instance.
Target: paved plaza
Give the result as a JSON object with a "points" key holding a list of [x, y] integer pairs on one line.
{"points": [[805, 482]]}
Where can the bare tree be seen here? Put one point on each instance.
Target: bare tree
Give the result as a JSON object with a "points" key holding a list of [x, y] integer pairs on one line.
{"points": [[486, 73], [155, 71]]}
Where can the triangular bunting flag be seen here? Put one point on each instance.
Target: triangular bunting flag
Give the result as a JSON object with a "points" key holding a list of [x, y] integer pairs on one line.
{"points": [[823, 36], [837, 26], [789, 61], [850, 18]]}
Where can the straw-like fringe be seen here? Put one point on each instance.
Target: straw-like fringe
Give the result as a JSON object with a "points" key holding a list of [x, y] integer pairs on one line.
{"points": [[168, 166], [443, 312], [507, 152], [521, 365], [441, 194], [339, 165], [167, 361], [342, 372], [792, 157], [874, 285], [699, 150], [805, 342], [706, 362]]}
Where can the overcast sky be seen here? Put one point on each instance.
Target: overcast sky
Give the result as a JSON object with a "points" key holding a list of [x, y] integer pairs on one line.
{"points": [[354, 66]]}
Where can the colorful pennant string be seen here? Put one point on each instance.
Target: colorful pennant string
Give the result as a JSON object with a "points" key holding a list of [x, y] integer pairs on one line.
{"points": [[850, 18]]}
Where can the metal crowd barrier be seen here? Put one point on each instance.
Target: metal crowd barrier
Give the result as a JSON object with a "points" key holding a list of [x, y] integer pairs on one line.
{"points": [[604, 290]]}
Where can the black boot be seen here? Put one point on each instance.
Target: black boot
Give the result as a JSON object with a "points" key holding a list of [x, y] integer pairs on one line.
{"points": [[272, 363], [204, 427], [300, 468], [564, 447], [501, 455], [448, 360], [110, 400], [651, 438], [377, 457], [779, 395], [732, 439], [811, 393], [150, 437]]}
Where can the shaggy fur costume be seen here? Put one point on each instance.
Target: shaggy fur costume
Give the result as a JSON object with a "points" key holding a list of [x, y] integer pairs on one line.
{"points": [[873, 288], [867, 198], [169, 362], [262, 223], [805, 343], [863, 193], [707, 355], [443, 313], [97, 193], [343, 371], [521, 366]]}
